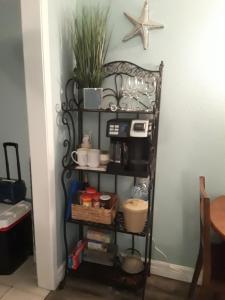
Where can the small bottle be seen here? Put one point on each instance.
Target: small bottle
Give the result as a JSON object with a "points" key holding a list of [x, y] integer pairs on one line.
{"points": [[85, 183], [96, 200]]}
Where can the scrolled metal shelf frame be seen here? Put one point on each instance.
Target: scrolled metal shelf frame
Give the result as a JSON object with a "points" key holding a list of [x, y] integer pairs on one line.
{"points": [[72, 119], [118, 69]]}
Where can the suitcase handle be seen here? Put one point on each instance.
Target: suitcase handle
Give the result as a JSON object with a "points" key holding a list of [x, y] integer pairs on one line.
{"points": [[15, 145]]}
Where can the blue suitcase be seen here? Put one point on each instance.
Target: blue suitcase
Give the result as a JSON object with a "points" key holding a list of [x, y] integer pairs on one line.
{"points": [[12, 190]]}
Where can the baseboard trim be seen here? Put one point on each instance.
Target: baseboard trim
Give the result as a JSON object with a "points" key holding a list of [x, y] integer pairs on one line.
{"points": [[171, 271], [60, 273], [159, 268]]}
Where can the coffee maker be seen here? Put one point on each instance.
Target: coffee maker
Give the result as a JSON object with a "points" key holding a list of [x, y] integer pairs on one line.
{"points": [[130, 141]]}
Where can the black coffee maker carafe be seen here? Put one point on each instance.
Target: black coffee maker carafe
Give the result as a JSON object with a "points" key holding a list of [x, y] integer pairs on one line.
{"points": [[119, 152]]}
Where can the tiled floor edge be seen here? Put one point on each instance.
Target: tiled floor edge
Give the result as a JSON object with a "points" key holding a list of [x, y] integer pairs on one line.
{"points": [[6, 292]]}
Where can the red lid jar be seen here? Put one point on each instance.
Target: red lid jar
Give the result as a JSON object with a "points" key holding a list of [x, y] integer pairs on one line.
{"points": [[91, 190], [86, 200]]}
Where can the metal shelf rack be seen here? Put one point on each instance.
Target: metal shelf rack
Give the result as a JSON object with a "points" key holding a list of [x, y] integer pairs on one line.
{"points": [[72, 117]]}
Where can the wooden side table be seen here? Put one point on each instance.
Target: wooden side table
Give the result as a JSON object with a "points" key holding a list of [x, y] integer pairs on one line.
{"points": [[217, 215]]}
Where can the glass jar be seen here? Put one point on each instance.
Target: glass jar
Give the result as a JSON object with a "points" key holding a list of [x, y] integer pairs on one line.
{"points": [[105, 201], [86, 200], [140, 189], [96, 200]]}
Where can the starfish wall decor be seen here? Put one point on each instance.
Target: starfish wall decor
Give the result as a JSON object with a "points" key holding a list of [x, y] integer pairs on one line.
{"points": [[142, 25]]}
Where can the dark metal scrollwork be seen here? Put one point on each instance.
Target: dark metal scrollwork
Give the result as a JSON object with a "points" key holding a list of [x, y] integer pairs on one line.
{"points": [[122, 69], [72, 102], [127, 68], [69, 142], [69, 107], [118, 82]]}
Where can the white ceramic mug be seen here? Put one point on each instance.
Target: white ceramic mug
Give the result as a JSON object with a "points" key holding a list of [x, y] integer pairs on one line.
{"points": [[93, 158], [82, 157], [104, 157]]}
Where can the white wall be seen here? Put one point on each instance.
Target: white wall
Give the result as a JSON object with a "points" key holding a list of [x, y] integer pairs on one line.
{"points": [[61, 67], [191, 137], [13, 110], [43, 190], [48, 64]]}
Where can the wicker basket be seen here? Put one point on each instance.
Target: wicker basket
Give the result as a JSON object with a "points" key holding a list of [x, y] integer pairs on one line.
{"points": [[96, 215]]}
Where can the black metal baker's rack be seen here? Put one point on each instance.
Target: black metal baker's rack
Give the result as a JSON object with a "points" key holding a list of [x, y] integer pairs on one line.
{"points": [[72, 118]]}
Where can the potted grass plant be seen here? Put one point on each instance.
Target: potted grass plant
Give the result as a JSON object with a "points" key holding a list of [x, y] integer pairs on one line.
{"points": [[90, 41]]}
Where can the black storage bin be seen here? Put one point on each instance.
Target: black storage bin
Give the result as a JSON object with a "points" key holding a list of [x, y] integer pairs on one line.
{"points": [[12, 190], [16, 241]]}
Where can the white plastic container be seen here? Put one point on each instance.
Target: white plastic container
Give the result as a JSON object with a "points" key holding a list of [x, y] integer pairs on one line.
{"points": [[15, 235], [135, 215], [12, 214]]}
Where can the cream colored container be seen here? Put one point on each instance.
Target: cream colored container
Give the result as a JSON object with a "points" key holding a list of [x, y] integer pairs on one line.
{"points": [[135, 215]]}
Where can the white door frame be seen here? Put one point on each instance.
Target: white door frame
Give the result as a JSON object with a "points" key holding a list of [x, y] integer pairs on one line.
{"points": [[34, 16]]}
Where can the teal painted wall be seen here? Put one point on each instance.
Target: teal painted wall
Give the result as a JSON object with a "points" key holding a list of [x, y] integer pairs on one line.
{"points": [[191, 137], [13, 109]]}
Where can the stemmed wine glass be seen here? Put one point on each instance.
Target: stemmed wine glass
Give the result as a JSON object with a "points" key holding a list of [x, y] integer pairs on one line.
{"points": [[127, 91], [149, 87]]}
